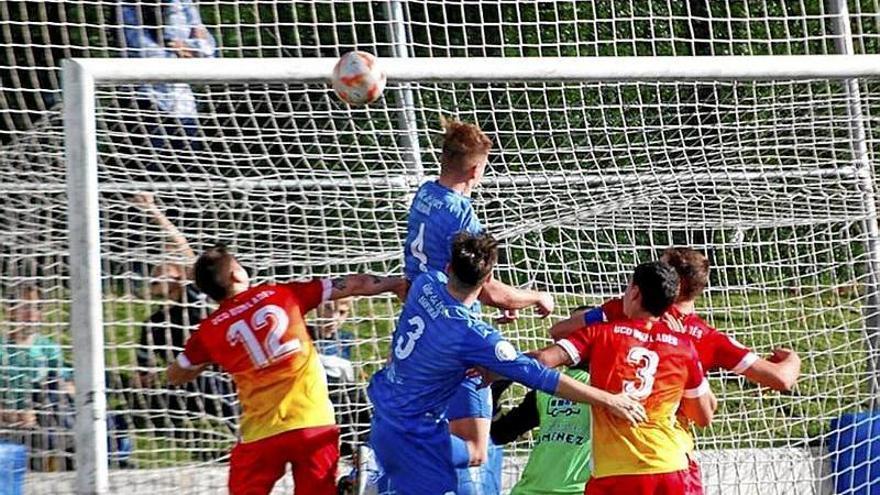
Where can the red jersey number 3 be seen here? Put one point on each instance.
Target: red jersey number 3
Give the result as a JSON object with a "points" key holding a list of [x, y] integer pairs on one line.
{"points": [[272, 323]]}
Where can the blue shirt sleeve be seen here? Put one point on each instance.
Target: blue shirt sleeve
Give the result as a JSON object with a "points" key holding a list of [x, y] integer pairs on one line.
{"points": [[138, 41], [593, 316], [491, 351]]}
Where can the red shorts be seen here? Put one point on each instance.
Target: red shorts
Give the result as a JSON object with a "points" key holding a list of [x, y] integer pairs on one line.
{"points": [[638, 484], [693, 478], [314, 453]]}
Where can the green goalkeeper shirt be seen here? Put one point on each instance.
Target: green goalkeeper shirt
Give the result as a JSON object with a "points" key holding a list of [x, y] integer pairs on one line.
{"points": [[560, 461]]}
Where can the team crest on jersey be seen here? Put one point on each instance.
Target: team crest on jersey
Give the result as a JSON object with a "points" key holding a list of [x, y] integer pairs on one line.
{"points": [[562, 407], [505, 351]]}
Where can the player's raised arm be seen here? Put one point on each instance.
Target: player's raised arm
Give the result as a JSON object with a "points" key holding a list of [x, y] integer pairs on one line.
{"points": [[178, 375], [502, 359], [367, 285], [563, 328], [190, 363], [779, 372], [580, 317], [499, 295], [698, 403], [176, 242]]}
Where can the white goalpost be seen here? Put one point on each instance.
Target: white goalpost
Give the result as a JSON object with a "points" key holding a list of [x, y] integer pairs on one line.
{"points": [[599, 163]]}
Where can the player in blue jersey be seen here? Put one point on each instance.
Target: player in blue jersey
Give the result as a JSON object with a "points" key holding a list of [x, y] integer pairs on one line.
{"points": [[437, 339], [440, 210]]}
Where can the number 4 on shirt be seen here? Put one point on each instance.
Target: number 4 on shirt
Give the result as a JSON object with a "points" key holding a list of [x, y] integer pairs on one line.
{"points": [[417, 248], [273, 347]]}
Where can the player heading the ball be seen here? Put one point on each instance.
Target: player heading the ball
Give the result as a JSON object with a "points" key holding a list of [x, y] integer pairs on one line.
{"points": [[441, 209], [437, 339], [259, 336]]}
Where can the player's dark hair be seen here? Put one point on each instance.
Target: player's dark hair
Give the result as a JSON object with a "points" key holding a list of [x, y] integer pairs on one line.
{"points": [[692, 267], [212, 272], [658, 284], [473, 258], [462, 141]]}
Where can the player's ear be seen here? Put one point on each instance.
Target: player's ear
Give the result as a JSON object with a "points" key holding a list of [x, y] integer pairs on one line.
{"points": [[636, 294]]}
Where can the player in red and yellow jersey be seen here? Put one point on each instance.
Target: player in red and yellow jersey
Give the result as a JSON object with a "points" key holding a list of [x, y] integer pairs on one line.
{"points": [[258, 335], [642, 357], [715, 349]]}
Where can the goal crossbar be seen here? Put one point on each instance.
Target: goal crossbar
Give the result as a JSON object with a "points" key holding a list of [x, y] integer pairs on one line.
{"points": [[487, 69]]}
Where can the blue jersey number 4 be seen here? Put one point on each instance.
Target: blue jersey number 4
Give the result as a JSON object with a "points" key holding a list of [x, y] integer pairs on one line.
{"points": [[417, 248]]}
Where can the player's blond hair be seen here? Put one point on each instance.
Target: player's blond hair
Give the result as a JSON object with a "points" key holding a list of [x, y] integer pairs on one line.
{"points": [[462, 142]]}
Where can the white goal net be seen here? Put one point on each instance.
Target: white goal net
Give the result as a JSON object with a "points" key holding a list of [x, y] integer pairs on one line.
{"points": [[771, 178]]}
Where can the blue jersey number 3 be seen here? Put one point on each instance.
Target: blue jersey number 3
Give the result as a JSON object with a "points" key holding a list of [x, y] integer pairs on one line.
{"points": [[407, 341]]}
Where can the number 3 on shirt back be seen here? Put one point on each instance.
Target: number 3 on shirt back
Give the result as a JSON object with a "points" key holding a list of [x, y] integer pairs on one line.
{"points": [[646, 362], [274, 346]]}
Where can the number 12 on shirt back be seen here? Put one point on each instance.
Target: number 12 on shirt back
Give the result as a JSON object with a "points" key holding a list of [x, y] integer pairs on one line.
{"points": [[274, 346]]}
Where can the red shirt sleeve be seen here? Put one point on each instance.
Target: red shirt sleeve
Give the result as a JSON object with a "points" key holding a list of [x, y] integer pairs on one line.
{"points": [[696, 384], [579, 344], [729, 354], [195, 353], [311, 294]]}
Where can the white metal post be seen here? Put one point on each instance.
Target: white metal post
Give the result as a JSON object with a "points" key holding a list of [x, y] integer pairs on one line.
{"points": [[843, 43], [86, 321], [409, 140]]}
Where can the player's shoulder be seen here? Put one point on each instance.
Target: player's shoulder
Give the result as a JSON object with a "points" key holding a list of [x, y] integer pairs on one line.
{"points": [[698, 328], [432, 197], [429, 278]]}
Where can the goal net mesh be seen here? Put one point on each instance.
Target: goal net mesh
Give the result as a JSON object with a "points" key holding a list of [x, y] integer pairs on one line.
{"points": [[585, 181]]}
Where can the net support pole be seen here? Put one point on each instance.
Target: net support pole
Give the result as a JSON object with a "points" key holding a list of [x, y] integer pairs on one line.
{"points": [[86, 322], [409, 139], [843, 42]]}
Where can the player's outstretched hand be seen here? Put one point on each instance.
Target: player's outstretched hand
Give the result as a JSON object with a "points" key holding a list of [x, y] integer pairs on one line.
{"points": [[783, 354], [673, 323], [507, 316], [144, 201], [625, 407], [545, 304], [488, 377], [401, 288]]}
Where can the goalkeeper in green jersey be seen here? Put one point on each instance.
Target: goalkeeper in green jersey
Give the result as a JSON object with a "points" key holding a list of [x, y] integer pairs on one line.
{"points": [[560, 460]]}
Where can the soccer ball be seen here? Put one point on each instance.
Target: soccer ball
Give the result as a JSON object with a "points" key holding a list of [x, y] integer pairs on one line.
{"points": [[358, 78]]}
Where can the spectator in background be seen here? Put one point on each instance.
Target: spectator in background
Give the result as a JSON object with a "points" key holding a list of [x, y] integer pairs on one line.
{"points": [[347, 395], [36, 391], [165, 332], [31, 360], [167, 29], [330, 339]]}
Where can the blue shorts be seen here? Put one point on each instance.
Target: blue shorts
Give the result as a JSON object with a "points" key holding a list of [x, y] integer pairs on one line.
{"points": [[470, 401], [420, 458]]}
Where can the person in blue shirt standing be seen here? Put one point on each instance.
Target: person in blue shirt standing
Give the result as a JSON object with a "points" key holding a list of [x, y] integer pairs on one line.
{"points": [[440, 210], [166, 29], [438, 338]]}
